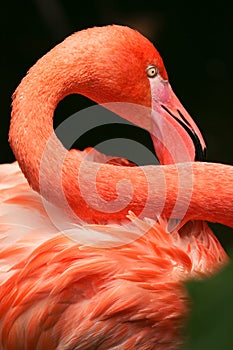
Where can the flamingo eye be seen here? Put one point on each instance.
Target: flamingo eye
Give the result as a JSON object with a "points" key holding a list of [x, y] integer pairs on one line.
{"points": [[152, 71]]}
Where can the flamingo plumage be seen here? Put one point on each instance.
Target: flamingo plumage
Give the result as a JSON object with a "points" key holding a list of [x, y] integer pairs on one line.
{"points": [[121, 285]]}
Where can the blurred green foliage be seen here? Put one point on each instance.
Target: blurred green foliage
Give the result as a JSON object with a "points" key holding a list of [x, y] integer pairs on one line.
{"points": [[210, 326]]}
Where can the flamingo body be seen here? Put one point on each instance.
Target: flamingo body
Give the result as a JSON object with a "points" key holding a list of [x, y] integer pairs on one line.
{"points": [[58, 294], [111, 279]]}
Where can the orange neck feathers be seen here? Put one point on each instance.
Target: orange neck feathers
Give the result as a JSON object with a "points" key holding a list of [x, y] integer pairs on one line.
{"points": [[91, 63]]}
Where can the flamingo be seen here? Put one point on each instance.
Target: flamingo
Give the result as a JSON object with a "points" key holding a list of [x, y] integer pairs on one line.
{"points": [[113, 279]]}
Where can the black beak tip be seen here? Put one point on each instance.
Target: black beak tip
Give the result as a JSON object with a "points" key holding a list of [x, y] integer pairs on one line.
{"points": [[201, 153]]}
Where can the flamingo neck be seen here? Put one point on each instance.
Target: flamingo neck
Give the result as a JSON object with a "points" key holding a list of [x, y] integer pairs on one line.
{"points": [[96, 193], [31, 126]]}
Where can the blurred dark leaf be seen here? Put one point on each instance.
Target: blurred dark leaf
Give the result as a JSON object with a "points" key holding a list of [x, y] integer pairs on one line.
{"points": [[211, 322]]}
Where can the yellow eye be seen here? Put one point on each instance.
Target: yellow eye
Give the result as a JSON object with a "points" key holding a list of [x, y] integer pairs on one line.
{"points": [[152, 71]]}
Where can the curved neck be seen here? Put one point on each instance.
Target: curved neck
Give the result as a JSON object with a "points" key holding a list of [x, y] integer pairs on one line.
{"points": [[98, 192], [34, 102]]}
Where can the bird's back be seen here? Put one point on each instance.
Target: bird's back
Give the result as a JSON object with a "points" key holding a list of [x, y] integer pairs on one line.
{"points": [[58, 293]]}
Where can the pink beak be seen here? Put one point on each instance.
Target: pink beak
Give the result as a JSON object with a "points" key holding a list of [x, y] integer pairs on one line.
{"points": [[175, 136]]}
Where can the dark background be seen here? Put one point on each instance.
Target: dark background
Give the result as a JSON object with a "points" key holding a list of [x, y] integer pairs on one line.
{"points": [[194, 39]]}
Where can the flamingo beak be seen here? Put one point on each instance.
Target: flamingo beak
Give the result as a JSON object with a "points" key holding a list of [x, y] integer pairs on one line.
{"points": [[175, 136]]}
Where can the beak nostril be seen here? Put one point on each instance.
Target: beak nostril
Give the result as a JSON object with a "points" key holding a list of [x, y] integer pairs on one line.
{"points": [[184, 119], [168, 111], [200, 152]]}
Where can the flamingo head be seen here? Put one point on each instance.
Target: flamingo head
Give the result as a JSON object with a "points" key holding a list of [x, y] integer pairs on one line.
{"points": [[123, 66]]}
